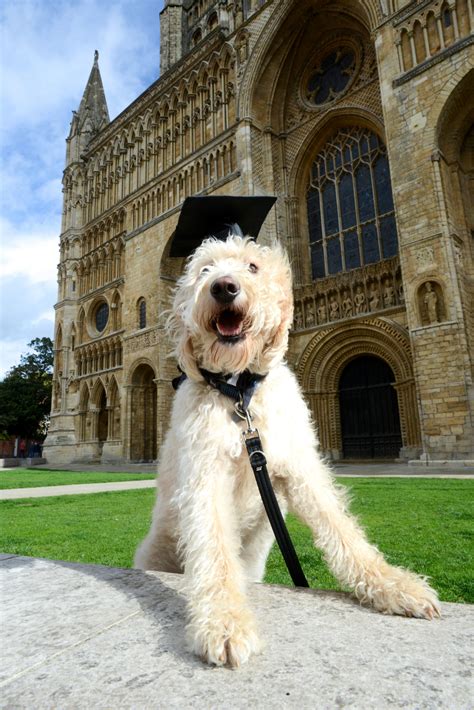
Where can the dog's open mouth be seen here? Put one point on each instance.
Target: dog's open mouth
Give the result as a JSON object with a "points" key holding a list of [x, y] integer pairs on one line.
{"points": [[229, 325]]}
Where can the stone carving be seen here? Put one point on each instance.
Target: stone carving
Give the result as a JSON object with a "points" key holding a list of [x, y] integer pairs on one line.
{"points": [[388, 295], [145, 340], [333, 308], [374, 299], [425, 257], [242, 47], [369, 289], [359, 300], [431, 303], [322, 312], [347, 305], [298, 319], [310, 317]]}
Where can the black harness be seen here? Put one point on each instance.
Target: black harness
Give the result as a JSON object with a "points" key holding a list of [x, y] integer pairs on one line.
{"points": [[241, 393]]}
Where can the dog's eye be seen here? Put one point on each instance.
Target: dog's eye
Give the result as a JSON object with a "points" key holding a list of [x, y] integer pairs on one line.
{"points": [[253, 268], [205, 270]]}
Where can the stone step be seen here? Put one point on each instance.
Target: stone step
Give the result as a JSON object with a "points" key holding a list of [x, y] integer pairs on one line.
{"points": [[85, 636]]}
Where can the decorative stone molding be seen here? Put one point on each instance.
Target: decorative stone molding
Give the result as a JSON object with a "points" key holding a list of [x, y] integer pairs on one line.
{"points": [[425, 258], [152, 337], [372, 288]]}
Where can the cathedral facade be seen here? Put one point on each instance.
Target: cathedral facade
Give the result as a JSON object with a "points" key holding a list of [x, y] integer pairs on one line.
{"points": [[358, 115]]}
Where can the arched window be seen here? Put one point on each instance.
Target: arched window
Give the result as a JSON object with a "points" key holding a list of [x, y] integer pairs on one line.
{"points": [[142, 313], [351, 218]]}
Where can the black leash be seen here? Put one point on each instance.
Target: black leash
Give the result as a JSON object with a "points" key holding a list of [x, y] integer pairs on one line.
{"points": [[242, 393]]}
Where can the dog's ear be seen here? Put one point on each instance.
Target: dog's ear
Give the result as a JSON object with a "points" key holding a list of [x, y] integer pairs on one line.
{"points": [[277, 344], [182, 343], [187, 359]]}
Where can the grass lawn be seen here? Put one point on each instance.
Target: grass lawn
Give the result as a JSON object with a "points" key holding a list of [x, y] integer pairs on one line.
{"points": [[424, 524], [27, 478]]}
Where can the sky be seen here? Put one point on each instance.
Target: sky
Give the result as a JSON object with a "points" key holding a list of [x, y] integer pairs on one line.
{"points": [[46, 54]]}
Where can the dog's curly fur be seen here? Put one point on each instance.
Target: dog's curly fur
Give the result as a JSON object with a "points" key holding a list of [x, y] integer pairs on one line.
{"points": [[209, 520]]}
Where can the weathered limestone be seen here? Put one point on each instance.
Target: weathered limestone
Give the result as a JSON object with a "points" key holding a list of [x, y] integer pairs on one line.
{"points": [[84, 636], [238, 109]]}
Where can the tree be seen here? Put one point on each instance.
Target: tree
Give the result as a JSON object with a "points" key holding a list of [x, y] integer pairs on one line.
{"points": [[25, 392]]}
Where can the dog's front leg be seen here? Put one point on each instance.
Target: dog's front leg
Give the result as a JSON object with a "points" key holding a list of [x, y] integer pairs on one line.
{"points": [[353, 560], [221, 626]]}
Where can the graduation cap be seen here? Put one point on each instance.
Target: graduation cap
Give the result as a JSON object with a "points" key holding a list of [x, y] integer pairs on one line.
{"points": [[218, 216]]}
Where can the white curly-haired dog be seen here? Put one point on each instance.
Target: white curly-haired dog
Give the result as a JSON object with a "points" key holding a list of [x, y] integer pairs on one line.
{"points": [[232, 312]]}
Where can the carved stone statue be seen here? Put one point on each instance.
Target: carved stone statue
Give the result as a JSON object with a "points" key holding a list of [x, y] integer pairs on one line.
{"points": [[298, 319], [322, 313], [333, 308], [310, 317], [347, 305], [374, 299], [431, 303], [388, 295], [359, 300]]}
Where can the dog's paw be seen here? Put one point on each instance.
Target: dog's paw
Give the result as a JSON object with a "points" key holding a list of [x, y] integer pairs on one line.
{"points": [[228, 641], [402, 592]]}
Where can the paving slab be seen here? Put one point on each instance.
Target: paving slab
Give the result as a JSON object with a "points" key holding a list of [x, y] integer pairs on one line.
{"points": [[85, 636]]}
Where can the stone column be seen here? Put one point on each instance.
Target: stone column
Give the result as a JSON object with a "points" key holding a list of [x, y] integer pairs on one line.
{"points": [[294, 240]]}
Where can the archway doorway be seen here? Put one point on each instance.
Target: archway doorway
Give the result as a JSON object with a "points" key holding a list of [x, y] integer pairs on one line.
{"points": [[143, 437], [370, 420]]}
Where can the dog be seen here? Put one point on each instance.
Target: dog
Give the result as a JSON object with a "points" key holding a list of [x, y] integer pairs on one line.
{"points": [[232, 312]]}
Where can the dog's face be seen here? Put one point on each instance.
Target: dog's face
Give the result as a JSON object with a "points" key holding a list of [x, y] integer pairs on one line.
{"points": [[233, 308]]}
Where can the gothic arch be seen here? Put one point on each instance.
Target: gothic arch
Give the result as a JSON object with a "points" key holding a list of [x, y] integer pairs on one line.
{"points": [[456, 117], [325, 357], [287, 17], [300, 170], [319, 135], [143, 406], [97, 390], [134, 376]]}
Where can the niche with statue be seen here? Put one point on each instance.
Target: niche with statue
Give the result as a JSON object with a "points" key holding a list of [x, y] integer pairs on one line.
{"points": [[431, 307]]}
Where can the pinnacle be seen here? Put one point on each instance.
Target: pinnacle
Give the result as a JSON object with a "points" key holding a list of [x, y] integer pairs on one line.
{"points": [[93, 113]]}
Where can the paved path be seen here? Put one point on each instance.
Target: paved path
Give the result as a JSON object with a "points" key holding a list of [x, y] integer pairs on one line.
{"points": [[70, 490], [82, 637], [343, 470]]}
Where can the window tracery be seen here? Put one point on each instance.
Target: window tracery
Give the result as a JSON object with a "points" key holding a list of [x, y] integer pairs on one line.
{"points": [[332, 76], [351, 216]]}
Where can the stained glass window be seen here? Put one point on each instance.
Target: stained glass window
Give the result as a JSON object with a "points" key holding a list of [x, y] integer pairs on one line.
{"points": [[331, 76], [350, 206]]}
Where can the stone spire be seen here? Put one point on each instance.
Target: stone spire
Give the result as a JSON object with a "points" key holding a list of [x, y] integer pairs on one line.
{"points": [[92, 115]]}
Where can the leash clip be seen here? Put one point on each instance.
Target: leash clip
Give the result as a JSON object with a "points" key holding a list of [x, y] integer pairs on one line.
{"points": [[244, 413]]}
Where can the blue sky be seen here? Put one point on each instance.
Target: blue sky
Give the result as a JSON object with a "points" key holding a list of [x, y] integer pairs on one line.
{"points": [[47, 51]]}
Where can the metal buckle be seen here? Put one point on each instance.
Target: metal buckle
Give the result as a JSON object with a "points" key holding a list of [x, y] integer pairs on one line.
{"points": [[244, 413]]}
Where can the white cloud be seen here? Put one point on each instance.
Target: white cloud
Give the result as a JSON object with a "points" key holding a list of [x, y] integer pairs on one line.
{"points": [[47, 50], [29, 252]]}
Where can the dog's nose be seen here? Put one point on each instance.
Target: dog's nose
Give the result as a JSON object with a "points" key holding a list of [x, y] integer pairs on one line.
{"points": [[225, 289]]}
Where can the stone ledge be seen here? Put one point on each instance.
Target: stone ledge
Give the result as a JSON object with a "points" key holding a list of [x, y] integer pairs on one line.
{"points": [[85, 636]]}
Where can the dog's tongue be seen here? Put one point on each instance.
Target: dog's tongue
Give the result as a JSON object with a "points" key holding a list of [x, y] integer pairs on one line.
{"points": [[229, 323]]}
